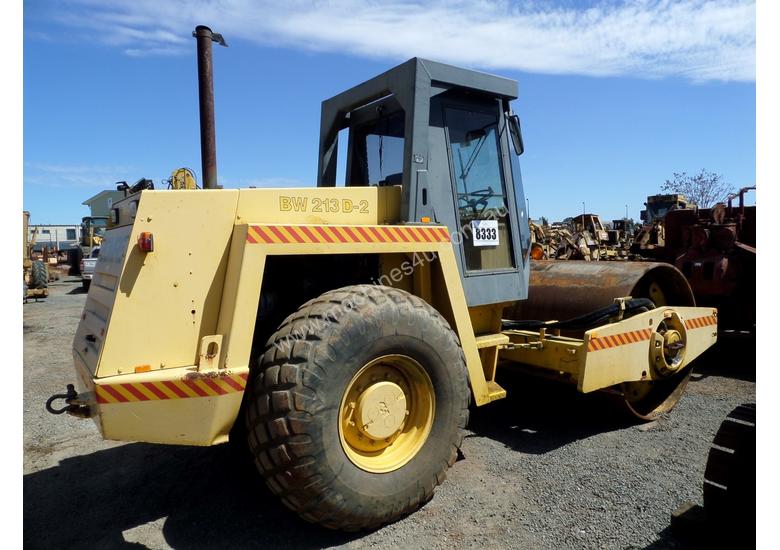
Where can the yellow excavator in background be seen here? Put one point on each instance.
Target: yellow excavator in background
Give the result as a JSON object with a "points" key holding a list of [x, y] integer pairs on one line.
{"points": [[182, 178]]}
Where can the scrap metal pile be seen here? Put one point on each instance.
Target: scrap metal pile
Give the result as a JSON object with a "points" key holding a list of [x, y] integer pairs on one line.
{"points": [[583, 237]]}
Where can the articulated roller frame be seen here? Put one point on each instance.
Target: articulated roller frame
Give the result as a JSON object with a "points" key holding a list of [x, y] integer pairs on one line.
{"points": [[647, 356]]}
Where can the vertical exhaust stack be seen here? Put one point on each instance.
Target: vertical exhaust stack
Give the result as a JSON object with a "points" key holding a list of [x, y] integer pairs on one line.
{"points": [[208, 139]]}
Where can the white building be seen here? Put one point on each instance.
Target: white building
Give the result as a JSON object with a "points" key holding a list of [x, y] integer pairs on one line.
{"points": [[100, 204], [60, 237]]}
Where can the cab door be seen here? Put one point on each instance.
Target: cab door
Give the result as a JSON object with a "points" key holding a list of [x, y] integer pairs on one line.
{"points": [[489, 204]]}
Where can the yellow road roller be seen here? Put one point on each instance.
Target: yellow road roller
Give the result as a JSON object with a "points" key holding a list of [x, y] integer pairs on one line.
{"points": [[347, 328]]}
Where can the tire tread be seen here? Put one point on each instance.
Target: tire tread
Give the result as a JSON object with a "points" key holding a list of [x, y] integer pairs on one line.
{"points": [[284, 401]]}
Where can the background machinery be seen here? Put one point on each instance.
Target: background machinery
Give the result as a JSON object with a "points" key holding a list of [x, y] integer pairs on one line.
{"points": [[87, 267], [657, 206], [649, 240], [346, 328], [182, 178], [93, 229], [715, 248], [621, 235], [35, 272]]}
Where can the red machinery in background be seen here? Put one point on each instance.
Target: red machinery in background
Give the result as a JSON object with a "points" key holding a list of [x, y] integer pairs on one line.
{"points": [[715, 248]]}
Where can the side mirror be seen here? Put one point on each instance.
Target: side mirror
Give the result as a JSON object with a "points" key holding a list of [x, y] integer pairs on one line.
{"points": [[517, 136]]}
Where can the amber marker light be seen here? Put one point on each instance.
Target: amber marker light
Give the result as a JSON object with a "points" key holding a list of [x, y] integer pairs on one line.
{"points": [[146, 241]]}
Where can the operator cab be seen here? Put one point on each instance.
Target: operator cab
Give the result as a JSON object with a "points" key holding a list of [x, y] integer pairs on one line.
{"points": [[448, 137]]}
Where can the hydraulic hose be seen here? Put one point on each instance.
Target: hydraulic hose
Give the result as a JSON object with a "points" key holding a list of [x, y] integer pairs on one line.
{"points": [[595, 318]]}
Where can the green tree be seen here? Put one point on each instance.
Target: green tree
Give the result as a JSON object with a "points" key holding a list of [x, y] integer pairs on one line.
{"points": [[705, 188]]}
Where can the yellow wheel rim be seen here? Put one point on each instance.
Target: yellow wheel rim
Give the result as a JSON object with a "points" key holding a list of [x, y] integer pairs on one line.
{"points": [[386, 413]]}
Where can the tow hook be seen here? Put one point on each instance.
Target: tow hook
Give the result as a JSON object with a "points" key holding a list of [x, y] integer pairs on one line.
{"points": [[73, 405]]}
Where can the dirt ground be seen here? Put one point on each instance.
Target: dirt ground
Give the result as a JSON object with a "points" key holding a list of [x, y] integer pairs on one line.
{"points": [[544, 468]]}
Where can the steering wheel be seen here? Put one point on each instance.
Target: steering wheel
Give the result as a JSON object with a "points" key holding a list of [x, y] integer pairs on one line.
{"points": [[477, 200]]}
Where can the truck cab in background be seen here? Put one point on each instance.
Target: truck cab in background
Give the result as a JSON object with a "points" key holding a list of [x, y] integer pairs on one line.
{"points": [[87, 267]]}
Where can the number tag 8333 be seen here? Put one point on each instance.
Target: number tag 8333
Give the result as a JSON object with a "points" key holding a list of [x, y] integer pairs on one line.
{"points": [[484, 232]]}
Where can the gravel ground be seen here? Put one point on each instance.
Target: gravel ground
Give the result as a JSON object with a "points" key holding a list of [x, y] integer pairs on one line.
{"points": [[545, 468]]}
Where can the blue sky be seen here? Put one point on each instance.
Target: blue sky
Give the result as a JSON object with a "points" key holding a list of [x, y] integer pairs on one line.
{"points": [[614, 97]]}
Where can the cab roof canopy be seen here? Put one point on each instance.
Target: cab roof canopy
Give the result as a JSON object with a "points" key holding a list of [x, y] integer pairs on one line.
{"points": [[412, 84]]}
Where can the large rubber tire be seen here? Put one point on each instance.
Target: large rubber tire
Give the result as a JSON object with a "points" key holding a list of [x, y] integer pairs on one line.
{"points": [[39, 275], [729, 489], [296, 395]]}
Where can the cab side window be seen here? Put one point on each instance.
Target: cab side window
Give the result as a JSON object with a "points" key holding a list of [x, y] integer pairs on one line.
{"points": [[378, 155]]}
